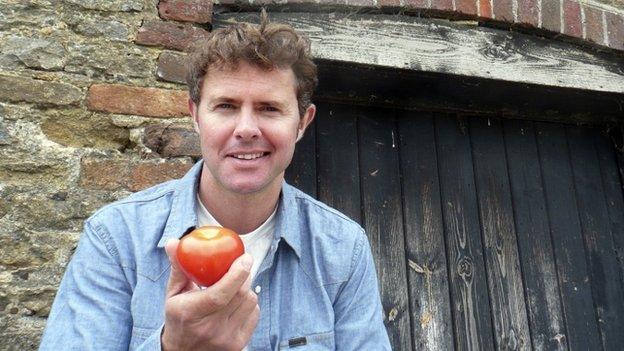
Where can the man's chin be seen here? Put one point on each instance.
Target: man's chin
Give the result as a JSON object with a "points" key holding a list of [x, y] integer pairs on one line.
{"points": [[247, 188]]}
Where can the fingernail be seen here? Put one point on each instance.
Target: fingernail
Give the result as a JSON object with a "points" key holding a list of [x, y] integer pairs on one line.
{"points": [[247, 261]]}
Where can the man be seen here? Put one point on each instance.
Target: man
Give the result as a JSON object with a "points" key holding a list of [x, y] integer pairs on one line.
{"points": [[314, 282]]}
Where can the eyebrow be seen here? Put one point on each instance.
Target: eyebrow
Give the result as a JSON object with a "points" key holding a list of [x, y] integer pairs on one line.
{"points": [[224, 99]]}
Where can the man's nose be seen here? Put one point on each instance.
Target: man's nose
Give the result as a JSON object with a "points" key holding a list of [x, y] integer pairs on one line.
{"points": [[247, 127]]}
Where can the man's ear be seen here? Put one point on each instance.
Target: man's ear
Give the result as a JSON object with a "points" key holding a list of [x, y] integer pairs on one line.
{"points": [[305, 120], [193, 111]]}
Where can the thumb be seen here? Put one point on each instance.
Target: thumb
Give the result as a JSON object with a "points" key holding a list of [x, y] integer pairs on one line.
{"points": [[178, 281]]}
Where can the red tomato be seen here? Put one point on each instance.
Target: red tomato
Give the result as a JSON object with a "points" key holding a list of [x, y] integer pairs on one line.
{"points": [[206, 253]]}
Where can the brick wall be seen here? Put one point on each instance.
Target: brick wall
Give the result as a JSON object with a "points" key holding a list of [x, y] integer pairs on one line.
{"points": [[92, 108]]}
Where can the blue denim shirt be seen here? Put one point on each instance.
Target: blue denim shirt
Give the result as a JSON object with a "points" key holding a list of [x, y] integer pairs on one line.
{"points": [[317, 285]]}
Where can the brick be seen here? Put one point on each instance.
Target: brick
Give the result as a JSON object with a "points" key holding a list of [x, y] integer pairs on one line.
{"points": [[615, 30], [503, 10], [572, 19], [115, 174], [468, 7], [551, 15], [485, 9], [140, 101], [103, 174], [528, 12], [172, 140], [146, 174], [388, 3], [443, 5], [416, 4], [199, 11], [172, 67], [37, 91], [594, 29], [169, 35]]}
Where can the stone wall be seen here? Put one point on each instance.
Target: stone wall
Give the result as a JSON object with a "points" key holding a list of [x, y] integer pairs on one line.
{"points": [[84, 120], [92, 108]]}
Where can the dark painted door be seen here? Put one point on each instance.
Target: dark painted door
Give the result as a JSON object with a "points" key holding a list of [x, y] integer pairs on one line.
{"points": [[487, 234]]}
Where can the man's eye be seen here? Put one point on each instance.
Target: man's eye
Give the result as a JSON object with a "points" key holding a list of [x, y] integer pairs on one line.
{"points": [[225, 106], [269, 109]]}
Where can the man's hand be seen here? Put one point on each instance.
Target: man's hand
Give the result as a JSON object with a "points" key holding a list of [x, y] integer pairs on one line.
{"points": [[220, 317]]}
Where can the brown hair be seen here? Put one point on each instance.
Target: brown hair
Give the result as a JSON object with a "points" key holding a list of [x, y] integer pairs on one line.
{"points": [[267, 46]]}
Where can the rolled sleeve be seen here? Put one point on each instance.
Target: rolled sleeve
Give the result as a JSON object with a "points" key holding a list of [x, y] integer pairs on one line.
{"points": [[91, 310], [358, 311]]}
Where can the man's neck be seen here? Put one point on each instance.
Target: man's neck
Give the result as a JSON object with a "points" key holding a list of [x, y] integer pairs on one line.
{"points": [[242, 213]]}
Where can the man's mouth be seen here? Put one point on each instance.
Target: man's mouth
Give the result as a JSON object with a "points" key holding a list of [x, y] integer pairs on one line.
{"points": [[250, 156]]}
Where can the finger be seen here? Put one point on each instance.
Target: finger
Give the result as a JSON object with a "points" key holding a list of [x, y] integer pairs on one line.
{"points": [[238, 299], [250, 321], [178, 281], [240, 315], [218, 296]]}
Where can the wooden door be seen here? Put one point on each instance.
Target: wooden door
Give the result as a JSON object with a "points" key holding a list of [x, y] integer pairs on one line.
{"points": [[487, 233]]}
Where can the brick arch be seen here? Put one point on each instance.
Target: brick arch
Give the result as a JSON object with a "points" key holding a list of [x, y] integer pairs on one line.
{"points": [[586, 20]]}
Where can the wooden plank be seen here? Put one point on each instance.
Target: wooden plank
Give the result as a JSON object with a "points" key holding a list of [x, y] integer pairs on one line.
{"points": [[603, 266], [338, 168], [613, 193], [499, 237], [469, 290], [533, 233], [430, 305], [302, 170], [382, 216], [565, 229], [431, 45], [394, 88]]}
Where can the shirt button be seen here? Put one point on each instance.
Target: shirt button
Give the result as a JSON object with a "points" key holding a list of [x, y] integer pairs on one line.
{"points": [[258, 289]]}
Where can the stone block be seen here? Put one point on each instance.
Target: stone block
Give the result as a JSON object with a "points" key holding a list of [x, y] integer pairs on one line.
{"points": [[129, 100], [5, 138], [146, 174], [172, 67], [169, 35], [172, 140], [111, 29], [38, 92], [36, 53], [80, 128], [109, 5], [112, 174], [199, 11]]}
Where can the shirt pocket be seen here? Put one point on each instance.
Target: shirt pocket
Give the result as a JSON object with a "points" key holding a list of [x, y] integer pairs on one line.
{"points": [[317, 341]]}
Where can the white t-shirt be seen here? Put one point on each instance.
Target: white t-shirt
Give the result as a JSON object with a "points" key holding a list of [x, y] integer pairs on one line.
{"points": [[256, 243]]}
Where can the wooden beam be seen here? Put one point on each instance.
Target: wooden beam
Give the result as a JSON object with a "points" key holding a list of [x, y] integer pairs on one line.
{"points": [[439, 46]]}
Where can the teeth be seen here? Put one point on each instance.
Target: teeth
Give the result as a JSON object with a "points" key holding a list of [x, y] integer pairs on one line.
{"points": [[248, 156]]}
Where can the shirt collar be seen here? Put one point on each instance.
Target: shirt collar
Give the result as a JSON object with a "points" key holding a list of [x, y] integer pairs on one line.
{"points": [[288, 225], [183, 218]]}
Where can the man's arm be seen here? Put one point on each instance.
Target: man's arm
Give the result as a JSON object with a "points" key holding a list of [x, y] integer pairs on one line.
{"points": [[358, 312], [92, 307]]}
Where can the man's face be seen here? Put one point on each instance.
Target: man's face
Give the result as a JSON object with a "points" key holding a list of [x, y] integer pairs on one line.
{"points": [[248, 122]]}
